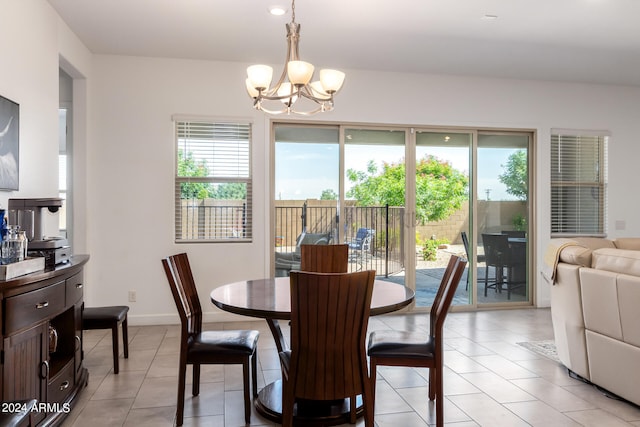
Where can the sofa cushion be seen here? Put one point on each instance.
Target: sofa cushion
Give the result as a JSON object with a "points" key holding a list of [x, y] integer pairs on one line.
{"points": [[600, 302], [577, 255], [617, 260], [632, 243], [594, 242], [613, 365], [580, 254]]}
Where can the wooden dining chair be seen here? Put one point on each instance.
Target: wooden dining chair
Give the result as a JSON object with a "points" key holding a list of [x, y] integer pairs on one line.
{"points": [[198, 347], [412, 349], [324, 258], [327, 360]]}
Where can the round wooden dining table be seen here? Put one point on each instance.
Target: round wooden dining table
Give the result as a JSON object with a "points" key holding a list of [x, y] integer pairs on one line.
{"points": [[270, 299]]}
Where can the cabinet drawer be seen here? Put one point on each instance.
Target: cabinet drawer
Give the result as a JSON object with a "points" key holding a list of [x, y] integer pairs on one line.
{"points": [[61, 384], [29, 308], [74, 287]]}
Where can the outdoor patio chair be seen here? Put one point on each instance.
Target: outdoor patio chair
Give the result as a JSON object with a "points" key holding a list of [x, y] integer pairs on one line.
{"points": [[479, 257], [287, 261], [504, 259], [361, 245]]}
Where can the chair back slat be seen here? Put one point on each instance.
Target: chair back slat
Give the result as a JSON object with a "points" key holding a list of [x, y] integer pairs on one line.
{"points": [[183, 289], [324, 258], [329, 318], [444, 296]]}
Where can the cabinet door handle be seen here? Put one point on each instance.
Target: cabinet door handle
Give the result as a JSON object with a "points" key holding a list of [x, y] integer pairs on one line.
{"points": [[42, 305], [64, 385], [44, 369], [79, 286]]}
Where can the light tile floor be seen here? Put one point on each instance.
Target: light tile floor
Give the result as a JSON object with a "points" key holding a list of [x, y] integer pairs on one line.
{"points": [[489, 380]]}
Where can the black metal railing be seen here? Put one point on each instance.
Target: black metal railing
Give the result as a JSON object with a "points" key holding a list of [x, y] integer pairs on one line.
{"points": [[384, 253]]}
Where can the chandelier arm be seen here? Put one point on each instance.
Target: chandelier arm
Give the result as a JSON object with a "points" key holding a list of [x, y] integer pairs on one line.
{"points": [[266, 110], [308, 93], [322, 107]]}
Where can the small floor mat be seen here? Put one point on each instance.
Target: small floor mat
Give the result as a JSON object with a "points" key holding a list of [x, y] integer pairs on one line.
{"points": [[546, 348]]}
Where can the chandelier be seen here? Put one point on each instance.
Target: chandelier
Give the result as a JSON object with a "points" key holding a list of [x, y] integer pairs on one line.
{"points": [[295, 85]]}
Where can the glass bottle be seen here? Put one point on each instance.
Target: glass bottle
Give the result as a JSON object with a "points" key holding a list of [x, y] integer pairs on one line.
{"points": [[22, 247], [13, 245]]}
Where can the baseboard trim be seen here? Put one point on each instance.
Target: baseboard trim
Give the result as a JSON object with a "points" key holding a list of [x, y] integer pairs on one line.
{"points": [[174, 319]]}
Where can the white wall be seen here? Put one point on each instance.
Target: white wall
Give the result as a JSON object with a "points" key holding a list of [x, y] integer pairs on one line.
{"points": [[29, 76], [131, 166], [124, 152]]}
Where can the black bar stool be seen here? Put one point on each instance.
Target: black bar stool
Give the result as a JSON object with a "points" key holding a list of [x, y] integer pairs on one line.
{"points": [[109, 318]]}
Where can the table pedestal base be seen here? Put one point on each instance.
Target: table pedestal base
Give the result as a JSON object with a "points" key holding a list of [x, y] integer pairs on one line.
{"points": [[269, 405]]}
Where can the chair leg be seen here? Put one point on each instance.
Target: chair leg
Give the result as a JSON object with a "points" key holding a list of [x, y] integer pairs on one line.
{"points": [[125, 337], [486, 279], [288, 401], [367, 400], [432, 383], [116, 349], [182, 373], [373, 368], [353, 408], [195, 387], [439, 396], [247, 398], [254, 373]]}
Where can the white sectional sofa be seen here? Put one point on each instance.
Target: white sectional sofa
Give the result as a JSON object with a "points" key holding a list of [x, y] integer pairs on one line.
{"points": [[595, 307]]}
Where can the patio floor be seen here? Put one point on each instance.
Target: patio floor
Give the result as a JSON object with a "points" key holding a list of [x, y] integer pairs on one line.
{"points": [[429, 274]]}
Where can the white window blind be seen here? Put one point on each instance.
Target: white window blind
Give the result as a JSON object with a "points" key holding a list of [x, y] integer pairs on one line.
{"points": [[213, 190], [578, 184]]}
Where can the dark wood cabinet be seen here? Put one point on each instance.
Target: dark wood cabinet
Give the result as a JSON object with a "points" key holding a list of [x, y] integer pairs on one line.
{"points": [[26, 365], [41, 342]]}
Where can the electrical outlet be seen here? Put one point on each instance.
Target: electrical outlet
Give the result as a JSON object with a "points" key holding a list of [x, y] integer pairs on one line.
{"points": [[132, 296]]}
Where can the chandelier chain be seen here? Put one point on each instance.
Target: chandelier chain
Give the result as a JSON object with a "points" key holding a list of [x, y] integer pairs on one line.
{"points": [[293, 11]]}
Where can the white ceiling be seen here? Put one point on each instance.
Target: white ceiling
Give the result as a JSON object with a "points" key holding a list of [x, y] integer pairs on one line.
{"points": [[596, 41]]}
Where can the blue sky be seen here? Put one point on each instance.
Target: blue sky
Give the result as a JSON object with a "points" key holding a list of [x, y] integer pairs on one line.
{"points": [[303, 171]]}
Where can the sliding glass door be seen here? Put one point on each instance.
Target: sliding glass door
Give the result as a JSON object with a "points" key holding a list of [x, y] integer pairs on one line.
{"points": [[373, 212], [503, 217], [307, 187], [442, 206], [405, 200]]}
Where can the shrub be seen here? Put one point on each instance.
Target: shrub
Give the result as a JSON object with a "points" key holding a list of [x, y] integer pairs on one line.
{"points": [[430, 248]]}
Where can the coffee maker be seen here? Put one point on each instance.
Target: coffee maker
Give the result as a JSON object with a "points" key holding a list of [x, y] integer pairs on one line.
{"points": [[29, 214]]}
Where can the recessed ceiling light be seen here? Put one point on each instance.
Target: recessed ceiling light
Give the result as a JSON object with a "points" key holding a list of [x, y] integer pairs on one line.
{"points": [[277, 10], [489, 17]]}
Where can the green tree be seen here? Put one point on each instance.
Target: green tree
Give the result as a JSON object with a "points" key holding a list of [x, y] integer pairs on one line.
{"points": [[516, 175], [440, 189], [231, 191], [328, 194], [188, 166]]}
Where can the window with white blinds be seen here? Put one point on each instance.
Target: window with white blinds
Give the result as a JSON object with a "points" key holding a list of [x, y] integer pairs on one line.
{"points": [[213, 181], [578, 183]]}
